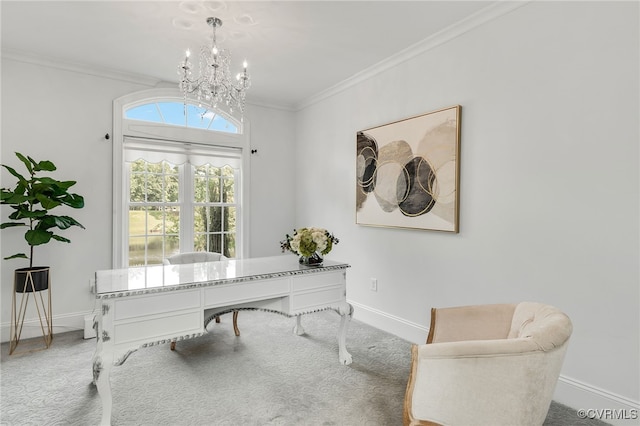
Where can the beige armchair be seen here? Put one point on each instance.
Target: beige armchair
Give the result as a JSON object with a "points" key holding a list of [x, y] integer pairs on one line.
{"points": [[487, 365], [197, 257]]}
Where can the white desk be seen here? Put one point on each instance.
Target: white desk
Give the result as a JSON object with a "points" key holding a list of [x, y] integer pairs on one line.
{"points": [[146, 306]]}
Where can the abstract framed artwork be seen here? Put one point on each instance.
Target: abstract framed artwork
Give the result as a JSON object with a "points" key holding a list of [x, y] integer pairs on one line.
{"points": [[408, 172]]}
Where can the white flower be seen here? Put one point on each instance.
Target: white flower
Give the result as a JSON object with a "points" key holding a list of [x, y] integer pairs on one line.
{"points": [[295, 243], [320, 238]]}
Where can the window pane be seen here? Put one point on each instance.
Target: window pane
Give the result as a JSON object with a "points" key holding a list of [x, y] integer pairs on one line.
{"points": [[171, 245], [200, 219], [172, 220], [214, 219], [214, 243], [138, 166], [230, 219], [171, 185], [154, 250], [230, 245], [228, 191], [222, 125], [155, 222], [172, 112], [214, 190], [154, 188], [137, 187], [137, 221], [169, 168], [137, 247], [198, 117], [214, 171], [200, 243], [148, 112], [200, 189]]}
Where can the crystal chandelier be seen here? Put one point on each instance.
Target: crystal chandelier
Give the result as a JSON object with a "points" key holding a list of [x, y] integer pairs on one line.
{"points": [[215, 85]]}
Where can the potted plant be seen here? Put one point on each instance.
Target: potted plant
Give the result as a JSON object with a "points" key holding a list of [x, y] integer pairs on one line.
{"points": [[32, 200]]}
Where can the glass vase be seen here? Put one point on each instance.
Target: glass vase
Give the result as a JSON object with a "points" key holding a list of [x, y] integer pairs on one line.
{"points": [[314, 260]]}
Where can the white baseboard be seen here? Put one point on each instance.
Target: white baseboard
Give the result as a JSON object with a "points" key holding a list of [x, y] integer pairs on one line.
{"points": [[61, 324], [414, 333], [607, 406], [604, 405]]}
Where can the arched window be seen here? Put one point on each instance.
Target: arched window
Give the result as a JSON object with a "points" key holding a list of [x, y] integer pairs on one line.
{"points": [[177, 114], [180, 179]]}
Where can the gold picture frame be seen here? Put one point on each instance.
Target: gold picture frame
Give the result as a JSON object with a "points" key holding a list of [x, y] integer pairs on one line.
{"points": [[408, 172]]}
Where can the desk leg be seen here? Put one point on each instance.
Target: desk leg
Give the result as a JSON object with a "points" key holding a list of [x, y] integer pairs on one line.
{"points": [[346, 311], [298, 329], [102, 365]]}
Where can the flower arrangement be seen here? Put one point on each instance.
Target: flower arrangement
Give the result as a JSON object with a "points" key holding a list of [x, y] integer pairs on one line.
{"points": [[308, 242]]}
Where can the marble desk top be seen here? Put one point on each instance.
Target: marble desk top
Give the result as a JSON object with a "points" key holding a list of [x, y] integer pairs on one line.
{"points": [[158, 278]]}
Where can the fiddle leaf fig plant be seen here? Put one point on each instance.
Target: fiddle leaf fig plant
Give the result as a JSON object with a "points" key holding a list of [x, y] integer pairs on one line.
{"points": [[32, 200]]}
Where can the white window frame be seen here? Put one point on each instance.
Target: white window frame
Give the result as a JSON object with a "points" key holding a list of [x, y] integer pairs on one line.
{"points": [[147, 130]]}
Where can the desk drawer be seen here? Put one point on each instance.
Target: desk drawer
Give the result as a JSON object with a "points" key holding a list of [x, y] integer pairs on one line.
{"points": [[228, 294], [148, 329], [318, 280], [301, 302], [132, 307]]}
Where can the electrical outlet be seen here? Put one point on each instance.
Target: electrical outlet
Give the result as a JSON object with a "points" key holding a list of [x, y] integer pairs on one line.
{"points": [[374, 284]]}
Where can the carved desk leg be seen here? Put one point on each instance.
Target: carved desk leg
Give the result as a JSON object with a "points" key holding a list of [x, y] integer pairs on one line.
{"points": [[346, 311], [103, 361], [298, 329], [102, 365]]}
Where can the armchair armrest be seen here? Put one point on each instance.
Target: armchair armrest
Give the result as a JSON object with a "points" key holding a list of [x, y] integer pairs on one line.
{"points": [[457, 382]]}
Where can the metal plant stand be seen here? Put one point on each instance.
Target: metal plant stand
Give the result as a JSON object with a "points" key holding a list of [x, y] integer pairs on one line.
{"points": [[43, 307]]}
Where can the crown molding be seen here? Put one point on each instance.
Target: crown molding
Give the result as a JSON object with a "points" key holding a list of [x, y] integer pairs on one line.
{"points": [[257, 102], [486, 14], [18, 56], [30, 58]]}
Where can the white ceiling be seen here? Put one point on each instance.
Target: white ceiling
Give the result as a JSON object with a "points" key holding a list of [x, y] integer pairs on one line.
{"points": [[295, 49]]}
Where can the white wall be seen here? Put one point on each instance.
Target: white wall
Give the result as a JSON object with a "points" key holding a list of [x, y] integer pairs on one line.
{"points": [[62, 116], [272, 180], [59, 115], [549, 184]]}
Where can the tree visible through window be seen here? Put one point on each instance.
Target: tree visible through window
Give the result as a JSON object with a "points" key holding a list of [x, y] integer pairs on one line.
{"points": [[159, 214], [214, 210]]}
